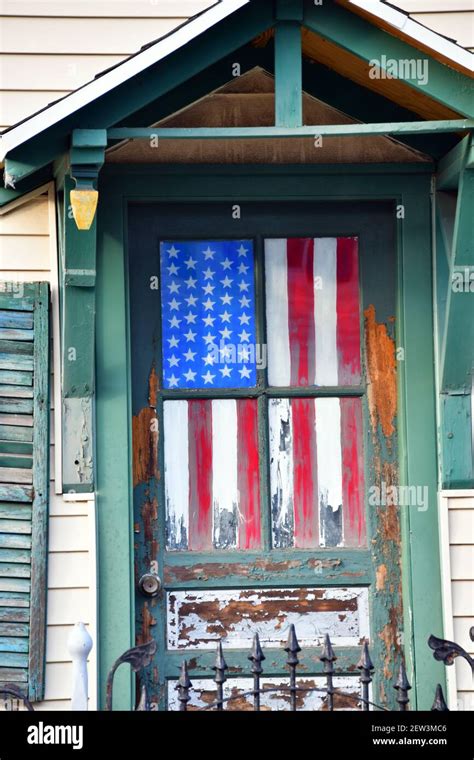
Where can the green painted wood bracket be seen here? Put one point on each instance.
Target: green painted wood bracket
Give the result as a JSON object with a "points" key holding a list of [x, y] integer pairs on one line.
{"points": [[289, 10], [286, 131], [457, 349], [362, 39], [451, 166], [78, 347], [456, 441], [87, 156]]}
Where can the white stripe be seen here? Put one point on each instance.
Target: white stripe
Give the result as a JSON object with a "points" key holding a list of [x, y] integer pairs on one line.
{"points": [[224, 473], [329, 455], [281, 471], [325, 311], [278, 339], [175, 416]]}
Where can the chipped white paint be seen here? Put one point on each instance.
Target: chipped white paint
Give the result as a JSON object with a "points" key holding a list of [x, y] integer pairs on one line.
{"points": [[276, 284], [224, 473], [197, 619], [325, 312], [281, 472], [175, 414], [204, 689], [329, 455]]}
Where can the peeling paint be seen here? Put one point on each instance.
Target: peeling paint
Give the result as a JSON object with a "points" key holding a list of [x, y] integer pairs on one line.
{"points": [[258, 569], [382, 374], [381, 577]]}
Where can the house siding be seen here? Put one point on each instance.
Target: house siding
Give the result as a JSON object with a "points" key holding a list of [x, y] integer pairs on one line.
{"points": [[457, 549], [28, 253]]}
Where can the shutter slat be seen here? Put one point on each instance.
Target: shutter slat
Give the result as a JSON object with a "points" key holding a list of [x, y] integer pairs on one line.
{"points": [[13, 644], [14, 434], [15, 526], [16, 475], [20, 320], [14, 629], [13, 675], [24, 477], [14, 615], [15, 492], [14, 405], [14, 511], [20, 377]]}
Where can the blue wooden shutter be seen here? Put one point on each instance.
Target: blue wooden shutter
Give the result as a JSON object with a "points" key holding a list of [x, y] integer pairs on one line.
{"points": [[24, 476]]}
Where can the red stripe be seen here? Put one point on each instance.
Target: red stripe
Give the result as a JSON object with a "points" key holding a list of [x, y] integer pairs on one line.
{"points": [[305, 485], [300, 254], [200, 474], [352, 473], [348, 311], [248, 474]]}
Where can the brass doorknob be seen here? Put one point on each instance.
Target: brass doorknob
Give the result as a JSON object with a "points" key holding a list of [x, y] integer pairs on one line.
{"points": [[150, 585]]}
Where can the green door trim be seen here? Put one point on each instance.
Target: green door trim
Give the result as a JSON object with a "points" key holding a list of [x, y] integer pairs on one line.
{"points": [[417, 419]]}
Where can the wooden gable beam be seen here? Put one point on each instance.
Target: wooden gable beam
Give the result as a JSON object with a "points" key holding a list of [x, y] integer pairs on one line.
{"points": [[288, 64], [360, 38]]}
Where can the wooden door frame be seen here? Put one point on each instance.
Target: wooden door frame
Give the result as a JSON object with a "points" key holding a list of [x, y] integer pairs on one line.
{"points": [[409, 187]]}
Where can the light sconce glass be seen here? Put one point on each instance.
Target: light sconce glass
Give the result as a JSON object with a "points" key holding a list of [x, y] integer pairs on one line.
{"points": [[84, 206]]}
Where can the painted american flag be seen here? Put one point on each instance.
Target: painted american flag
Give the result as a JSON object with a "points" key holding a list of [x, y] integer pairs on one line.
{"points": [[208, 314], [313, 311]]}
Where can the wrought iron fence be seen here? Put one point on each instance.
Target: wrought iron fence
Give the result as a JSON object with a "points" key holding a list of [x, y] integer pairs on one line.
{"points": [[140, 657]]}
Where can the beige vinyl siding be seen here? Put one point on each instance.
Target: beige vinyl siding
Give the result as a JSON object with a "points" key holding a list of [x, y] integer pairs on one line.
{"points": [[451, 18], [49, 48], [457, 555], [28, 252]]}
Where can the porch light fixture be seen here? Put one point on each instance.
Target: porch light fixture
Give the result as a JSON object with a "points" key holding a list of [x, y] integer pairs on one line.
{"points": [[84, 206]]}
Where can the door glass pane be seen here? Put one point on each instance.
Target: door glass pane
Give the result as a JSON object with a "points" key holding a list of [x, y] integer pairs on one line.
{"points": [[316, 472], [212, 481], [208, 314], [313, 311]]}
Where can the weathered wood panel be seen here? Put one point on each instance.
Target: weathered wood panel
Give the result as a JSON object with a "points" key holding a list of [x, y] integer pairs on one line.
{"points": [[199, 619], [203, 694]]}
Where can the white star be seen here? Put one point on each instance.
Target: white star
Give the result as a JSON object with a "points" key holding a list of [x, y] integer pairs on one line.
{"points": [[227, 299], [244, 319], [225, 352], [225, 317], [209, 305], [227, 282], [208, 378], [173, 269], [208, 254], [209, 360], [173, 341], [209, 339], [243, 269], [190, 336], [173, 252], [208, 274], [209, 321], [243, 286], [191, 318], [174, 361], [242, 251], [191, 301], [173, 381], [244, 337], [226, 372], [244, 354], [191, 263], [227, 263], [174, 305], [191, 283], [244, 302], [175, 322], [244, 372], [190, 376], [189, 355], [226, 333], [174, 287], [209, 289]]}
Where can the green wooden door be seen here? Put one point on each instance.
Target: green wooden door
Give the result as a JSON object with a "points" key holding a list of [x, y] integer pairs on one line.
{"points": [[264, 440]]}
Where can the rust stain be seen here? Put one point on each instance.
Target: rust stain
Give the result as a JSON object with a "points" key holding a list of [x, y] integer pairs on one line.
{"points": [[145, 436], [391, 640], [382, 374], [148, 621], [257, 569], [149, 516], [381, 577], [153, 388]]}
